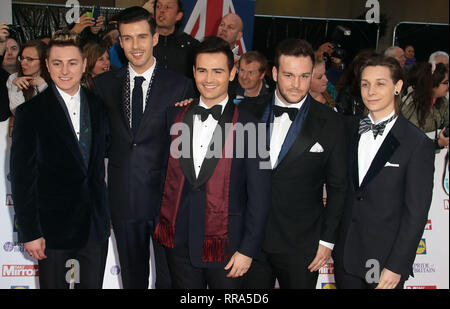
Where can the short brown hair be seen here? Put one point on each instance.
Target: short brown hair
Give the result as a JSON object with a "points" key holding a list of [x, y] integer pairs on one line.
{"points": [[64, 38], [294, 47], [255, 56]]}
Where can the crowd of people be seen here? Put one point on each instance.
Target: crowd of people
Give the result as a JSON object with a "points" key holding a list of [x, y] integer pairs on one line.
{"points": [[113, 88]]}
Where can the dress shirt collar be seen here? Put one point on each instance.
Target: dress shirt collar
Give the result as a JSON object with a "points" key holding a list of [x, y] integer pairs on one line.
{"points": [[298, 105], [66, 97], [223, 103], [147, 74]]}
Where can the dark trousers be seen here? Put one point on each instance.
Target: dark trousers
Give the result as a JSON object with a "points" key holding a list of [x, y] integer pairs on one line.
{"points": [[89, 267], [345, 280], [133, 246], [290, 269], [187, 276]]}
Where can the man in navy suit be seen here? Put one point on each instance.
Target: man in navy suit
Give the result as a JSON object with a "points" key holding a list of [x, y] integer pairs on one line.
{"points": [[58, 173], [214, 207], [136, 99], [307, 151]]}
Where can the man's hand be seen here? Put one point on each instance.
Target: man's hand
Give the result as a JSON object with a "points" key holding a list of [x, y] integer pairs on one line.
{"points": [[239, 265], [149, 6], [184, 103], [82, 23], [443, 141], [322, 257], [98, 26], [36, 248], [4, 34], [388, 280]]}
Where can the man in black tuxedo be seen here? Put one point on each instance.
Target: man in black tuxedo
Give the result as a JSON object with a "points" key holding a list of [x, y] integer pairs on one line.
{"points": [[214, 206], [57, 173], [307, 147], [390, 181], [136, 99]]}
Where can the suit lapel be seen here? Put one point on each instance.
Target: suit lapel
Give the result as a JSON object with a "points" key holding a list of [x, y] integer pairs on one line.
{"points": [[123, 90], [390, 144], [93, 127], [61, 122], [187, 164], [300, 133], [210, 161], [353, 166]]}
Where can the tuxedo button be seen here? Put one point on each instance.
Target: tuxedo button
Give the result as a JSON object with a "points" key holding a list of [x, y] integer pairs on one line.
{"points": [[134, 145], [360, 198]]}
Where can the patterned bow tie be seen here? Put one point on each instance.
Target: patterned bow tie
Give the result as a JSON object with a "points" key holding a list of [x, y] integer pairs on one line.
{"points": [[215, 111], [279, 110], [366, 125]]}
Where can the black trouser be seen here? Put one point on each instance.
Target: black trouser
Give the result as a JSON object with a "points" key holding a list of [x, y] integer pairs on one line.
{"points": [[187, 276], [291, 270], [133, 246], [89, 262], [345, 280]]}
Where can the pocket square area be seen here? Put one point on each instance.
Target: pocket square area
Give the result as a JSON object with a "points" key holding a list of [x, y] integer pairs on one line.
{"points": [[388, 164], [316, 148]]}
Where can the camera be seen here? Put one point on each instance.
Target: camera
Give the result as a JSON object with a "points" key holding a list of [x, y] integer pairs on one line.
{"points": [[14, 31], [446, 132]]}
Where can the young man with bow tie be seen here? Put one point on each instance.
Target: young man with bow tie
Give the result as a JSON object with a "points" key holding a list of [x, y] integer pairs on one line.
{"points": [[214, 207], [307, 151]]}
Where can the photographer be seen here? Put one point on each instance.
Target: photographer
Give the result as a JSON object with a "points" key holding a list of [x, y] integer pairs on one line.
{"points": [[4, 101]]}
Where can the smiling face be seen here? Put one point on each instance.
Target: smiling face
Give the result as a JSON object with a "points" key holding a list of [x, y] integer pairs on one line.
{"points": [[378, 91], [66, 67], [293, 78], [102, 65], [212, 76], [250, 76], [137, 42]]}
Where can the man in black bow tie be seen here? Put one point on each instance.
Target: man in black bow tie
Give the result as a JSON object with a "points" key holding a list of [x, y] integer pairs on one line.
{"points": [[214, 207], [306, 150]]}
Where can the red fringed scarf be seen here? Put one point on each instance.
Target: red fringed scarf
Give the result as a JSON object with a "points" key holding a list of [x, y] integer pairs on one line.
{"points": [[215, 242]]}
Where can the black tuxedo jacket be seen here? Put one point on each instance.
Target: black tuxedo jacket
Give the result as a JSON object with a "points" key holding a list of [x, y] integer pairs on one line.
{"points": [[137, 164], [385, 217], [56, 195], [249, 194], [5, 112], [298, 219]]}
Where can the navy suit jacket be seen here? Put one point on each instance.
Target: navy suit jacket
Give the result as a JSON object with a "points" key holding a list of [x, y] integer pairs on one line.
{"points": [[249, 196], [56, 195], [137, 164]]}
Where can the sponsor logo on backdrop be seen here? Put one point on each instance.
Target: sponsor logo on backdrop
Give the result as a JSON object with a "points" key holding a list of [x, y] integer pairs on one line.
{"points": [[421, 287], [422, 248], [428, 227], [20, 287], [15, 226], [446, 202], [9, 200], [329, 286], [20, 271], [327, 269], [13, 246], [424, 268]]}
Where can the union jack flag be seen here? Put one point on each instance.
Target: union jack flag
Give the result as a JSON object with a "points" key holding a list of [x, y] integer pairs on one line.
{"points": [[206, 17]]}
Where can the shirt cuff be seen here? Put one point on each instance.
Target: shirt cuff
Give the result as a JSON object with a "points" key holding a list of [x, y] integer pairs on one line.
{"points": [[326, 244]]}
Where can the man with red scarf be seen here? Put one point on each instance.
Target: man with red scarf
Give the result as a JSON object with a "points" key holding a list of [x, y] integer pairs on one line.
{"points": [[215, 202]]}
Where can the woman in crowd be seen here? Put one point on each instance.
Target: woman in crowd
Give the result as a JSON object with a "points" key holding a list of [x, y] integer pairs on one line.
{"points": [[426, 104], [32, 76], [349, 100], [97, 62], [391, 168], [319, 81]]}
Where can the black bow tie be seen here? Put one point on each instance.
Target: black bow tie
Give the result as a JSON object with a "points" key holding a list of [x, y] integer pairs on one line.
{"points": [[215, 111], [279, 110], [365, 125]]}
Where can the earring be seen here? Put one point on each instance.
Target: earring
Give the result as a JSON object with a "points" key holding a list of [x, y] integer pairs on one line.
{"points": [[397, 92]]}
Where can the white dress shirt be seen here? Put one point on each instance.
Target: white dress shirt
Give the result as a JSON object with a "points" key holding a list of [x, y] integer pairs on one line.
{"points": [[73, 104], [281, 126], [202, 135], [148, 77], [280, 129], [16, 96], [368, 146]]}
